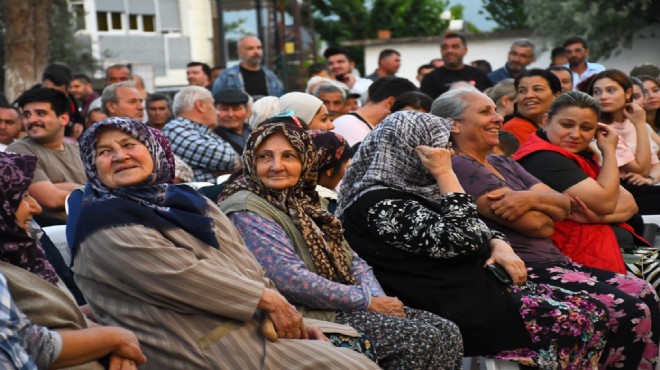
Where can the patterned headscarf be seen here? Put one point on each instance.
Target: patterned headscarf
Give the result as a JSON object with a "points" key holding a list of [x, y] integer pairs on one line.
{"points": [[321, 231], [331, 147], [386, 159], [174, 206], [18, 248]]}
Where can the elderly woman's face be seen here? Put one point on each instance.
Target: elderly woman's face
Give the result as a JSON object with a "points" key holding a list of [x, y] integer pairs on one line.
{"points": [[27, 208], [481, 123], [121, 159], [278, 163], [572, 128]]}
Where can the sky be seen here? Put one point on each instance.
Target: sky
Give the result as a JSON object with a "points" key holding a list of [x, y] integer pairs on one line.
{"points": [[471, 14]]}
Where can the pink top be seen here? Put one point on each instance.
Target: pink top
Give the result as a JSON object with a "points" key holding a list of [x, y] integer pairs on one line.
{"points": [[625, 148]]}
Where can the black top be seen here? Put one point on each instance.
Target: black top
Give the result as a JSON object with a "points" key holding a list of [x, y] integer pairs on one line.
{"points": [[439, 81], [254, 82], [427, 256]]}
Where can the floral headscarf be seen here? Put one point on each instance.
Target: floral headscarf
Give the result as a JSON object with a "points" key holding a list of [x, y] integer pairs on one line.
{"points": [[18, 247], [386, 158], [321, 231], [170, 205]]}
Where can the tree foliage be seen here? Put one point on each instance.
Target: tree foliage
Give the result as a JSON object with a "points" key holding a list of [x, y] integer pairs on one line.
{"points": [[341, 20], [606, 24], [508, 14], [63, 44]]}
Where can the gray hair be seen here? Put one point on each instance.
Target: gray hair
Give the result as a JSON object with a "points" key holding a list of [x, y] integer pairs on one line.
{"points": [[525, 43], [109, 94], [452, 104], [185, 99], [325, 88], [501, 89]]}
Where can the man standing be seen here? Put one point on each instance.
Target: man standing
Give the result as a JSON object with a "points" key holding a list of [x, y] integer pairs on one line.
{"points": [[341, 65], [192, 137], [159, 110], [389, 62], [59, 168], [249, 75], [122, 100], [82, 90], [577, 52], [10, 125], [198, 74], [233, 112], [520, 56], [453, 49]]}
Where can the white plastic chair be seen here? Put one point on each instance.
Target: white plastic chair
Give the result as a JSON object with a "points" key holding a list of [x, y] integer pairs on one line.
{"points": [[222, 178], [197, 185], [57, 235], [651, 226], [483, 363]]}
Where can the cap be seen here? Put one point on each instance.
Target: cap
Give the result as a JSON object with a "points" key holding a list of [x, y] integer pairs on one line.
{"points": [[231, 97]]}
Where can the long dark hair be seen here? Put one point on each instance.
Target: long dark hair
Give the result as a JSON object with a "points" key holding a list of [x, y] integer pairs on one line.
{"points": [[621, 79], [656, 123]]}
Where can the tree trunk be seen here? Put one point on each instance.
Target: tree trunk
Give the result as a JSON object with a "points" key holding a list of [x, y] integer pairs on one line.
{"points": [[26, 52]]}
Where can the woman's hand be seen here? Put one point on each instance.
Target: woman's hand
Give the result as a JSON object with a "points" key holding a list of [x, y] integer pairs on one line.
{"points": [[387, 306], [636, 114], [315, 333], [606, 138], [287, 320], [581, 213], [437, 161], [637, 179], [502, 254], [120, 363], [509, 204]]}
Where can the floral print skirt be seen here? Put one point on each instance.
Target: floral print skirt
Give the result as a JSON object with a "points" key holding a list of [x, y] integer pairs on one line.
{"points": [[632, 305]]}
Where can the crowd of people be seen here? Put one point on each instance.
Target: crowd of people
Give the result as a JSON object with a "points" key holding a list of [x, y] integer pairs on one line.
{"points": [[364, 223]]}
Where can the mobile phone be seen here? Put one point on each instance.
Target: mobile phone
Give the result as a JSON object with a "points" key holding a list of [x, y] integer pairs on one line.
{"points": [[340, 77], [500, 274]]}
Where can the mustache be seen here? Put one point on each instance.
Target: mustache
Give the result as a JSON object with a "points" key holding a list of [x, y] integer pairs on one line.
{"points": [[30, 126]]}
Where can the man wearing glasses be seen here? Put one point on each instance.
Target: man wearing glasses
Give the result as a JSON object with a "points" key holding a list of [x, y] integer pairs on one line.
{"points": [[577, 52], [520, 56]]}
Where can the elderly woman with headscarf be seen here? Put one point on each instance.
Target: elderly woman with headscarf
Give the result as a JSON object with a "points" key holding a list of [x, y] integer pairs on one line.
{"points": [[40, 317], [171, 267], [302, 249], [309, 108], [406, 214]]}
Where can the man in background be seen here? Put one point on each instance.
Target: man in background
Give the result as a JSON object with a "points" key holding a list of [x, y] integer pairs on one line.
{"points": [[199, 74], [520, 56], [389, 62]]}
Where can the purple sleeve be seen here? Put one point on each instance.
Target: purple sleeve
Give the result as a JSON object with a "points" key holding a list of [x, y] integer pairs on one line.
{"points": [[476, 179], [525, 177], [275, 252]]}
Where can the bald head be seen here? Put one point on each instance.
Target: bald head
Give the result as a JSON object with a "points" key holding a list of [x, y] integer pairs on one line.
{"points": [[250, 52]]}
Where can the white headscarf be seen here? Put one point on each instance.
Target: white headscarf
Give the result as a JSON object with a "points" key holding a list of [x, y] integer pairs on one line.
{"points": [[303, 105], [263, 109]]}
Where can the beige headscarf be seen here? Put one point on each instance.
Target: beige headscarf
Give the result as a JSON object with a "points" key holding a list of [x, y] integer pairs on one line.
{"points": [[303, 105]]}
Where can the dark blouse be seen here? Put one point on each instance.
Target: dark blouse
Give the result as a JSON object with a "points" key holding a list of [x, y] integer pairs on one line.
{"points": [[431, 256]]}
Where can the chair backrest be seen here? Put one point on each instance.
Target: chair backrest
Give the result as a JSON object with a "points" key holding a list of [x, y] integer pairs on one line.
{"points": [[57, 235]]}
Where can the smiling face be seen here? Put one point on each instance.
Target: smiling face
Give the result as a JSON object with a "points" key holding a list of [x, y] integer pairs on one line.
{"points": [[278, 163], [232, 117], [480, 126], [534, 97], [43, 124], [27, 209], [121, 160], [610, 96], [572, 128]]}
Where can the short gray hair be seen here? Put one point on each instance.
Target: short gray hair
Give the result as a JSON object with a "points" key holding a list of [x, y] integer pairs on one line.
{"points": [[109, 94], [525, 43], [325, 88], [453, 103], [185, 99]]}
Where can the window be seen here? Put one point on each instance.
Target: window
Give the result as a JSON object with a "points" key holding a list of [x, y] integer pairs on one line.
{"points": [[133, 22], [109, 21], [142, 22], [149, 24], [79, 14], [102, 21]]}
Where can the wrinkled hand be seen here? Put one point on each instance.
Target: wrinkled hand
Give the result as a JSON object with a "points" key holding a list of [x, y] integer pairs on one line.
{"points": [[315, 333], [127, 349], [636, 114], [606, 138], [437, 161], [502, 254], [287, 320], [387, 306], [637, 179], [509, 204]]}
